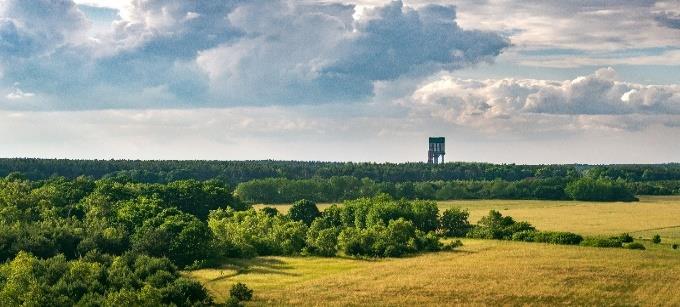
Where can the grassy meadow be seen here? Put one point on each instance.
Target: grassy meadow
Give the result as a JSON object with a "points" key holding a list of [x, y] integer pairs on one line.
{"points": [[486, 272]]}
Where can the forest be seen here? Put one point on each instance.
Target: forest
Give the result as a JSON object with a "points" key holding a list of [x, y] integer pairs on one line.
{"points": [[121, 232]]}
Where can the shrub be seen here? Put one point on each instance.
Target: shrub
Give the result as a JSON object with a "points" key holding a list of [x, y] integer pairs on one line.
{"points": [[656, 239], [399, 237], [625, 238], [241, 292], [525, 236], [304, 211], [552, 237], [674, 246], [635, 245], [271, 211], [454, 222], [601, 242], [497, 226], [566, 238]]}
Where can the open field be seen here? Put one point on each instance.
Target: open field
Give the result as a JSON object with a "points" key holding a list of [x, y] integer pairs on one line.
{"points": [[481, 272], [488, 272], [649, 216]]}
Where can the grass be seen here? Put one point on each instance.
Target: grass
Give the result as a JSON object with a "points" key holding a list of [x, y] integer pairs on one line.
{"points": [[487, 272], [480, 273]]}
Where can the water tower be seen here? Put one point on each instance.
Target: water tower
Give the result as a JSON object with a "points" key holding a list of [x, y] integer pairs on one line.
{"points": [[436, 150]]}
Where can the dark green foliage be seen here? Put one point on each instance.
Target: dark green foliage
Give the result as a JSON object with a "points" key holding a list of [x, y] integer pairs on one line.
{"points": [[600, 189], [198, 198], [674, 246], [322, 238], [399, 237], [270, 211], [304, 211], [179, 236], [366, 212], [124, 280], [602, 242], [241, 292], [234, 172], [282, 190], [454, 222], [552, 237], [251, 233], [635, 245], [497, 226], [656, 239], [74, 217], [625, 238]]}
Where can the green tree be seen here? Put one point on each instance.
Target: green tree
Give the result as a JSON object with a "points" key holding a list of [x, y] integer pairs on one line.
{"points": [[304, 211], [454, 222]]}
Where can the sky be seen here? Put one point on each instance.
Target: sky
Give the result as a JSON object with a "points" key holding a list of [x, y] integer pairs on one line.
{"points": [[367, 80]]}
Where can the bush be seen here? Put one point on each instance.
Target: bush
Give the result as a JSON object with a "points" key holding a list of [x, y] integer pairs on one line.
{"points": [[304, 211], [601, 242], [399, 237], [454, 222], [271, 211], [625, 238], [635, 245], [656, 239], [499, 227], [552, 237], [674, 246], [241, 292]]}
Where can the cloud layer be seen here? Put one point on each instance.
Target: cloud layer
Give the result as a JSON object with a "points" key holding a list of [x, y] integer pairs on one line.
{"points": [[226, 53], [236, 79], [481, 102]]}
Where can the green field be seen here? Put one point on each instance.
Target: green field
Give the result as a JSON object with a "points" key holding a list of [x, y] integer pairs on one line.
{"points": [[487, 272]]}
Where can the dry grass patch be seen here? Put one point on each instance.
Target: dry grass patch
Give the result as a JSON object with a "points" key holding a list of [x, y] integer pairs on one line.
{"points": [[482, 272], [645, 218]]}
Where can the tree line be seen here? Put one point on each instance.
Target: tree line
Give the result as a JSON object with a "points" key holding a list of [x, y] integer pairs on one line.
{"points": [[334, 189], [234, 172]]}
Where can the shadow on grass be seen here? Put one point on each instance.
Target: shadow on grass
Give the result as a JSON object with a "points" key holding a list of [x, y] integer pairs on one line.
{"points": [[254, 266]]}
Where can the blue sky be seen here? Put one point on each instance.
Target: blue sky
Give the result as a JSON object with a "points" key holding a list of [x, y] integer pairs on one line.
{"points": [[366, 80]]}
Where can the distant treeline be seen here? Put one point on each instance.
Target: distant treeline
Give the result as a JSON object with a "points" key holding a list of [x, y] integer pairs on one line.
{"points": [[335, 189], [234, 172]]}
